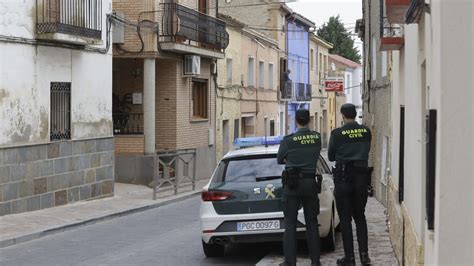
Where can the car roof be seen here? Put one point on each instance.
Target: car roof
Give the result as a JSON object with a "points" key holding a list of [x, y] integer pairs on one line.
{"points": [[256, 150]]}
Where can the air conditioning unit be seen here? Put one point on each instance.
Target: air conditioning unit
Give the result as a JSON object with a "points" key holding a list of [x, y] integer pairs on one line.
{"points": [[191, 65]]}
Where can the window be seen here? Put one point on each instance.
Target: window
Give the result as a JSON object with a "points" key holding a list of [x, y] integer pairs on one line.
{"points": [[311, 54], [248, 126], [272, 127], [229, 71], [200, 98], [251, 73], [270, 76], [60, 110], [261, 74]]}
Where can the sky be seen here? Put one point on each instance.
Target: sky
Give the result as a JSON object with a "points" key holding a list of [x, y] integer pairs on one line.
{"points": [[319, 12]]}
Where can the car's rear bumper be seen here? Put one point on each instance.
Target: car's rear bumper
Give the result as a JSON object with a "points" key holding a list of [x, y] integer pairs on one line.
{"points": [[212, 229]]}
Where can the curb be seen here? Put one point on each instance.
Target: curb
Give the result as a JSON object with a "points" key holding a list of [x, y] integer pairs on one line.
{"points": [[66, 227]]}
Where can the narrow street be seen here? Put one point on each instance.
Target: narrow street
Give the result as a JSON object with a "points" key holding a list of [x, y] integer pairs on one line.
{"points": [[168, 235], [164, 236]]}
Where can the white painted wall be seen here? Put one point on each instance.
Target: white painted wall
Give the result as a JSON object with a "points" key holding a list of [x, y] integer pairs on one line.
{"points": [[454, 237], [414, 130], [447, 48], [26, 71]]}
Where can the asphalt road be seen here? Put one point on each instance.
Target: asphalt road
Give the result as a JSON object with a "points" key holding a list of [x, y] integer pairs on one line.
{"points": [[169, 235]]}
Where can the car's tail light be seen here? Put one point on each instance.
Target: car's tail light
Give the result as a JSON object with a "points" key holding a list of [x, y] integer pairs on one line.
{"points": [[215, 195]]}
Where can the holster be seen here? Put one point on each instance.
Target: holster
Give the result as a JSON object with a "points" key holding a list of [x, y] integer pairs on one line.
{"points": [[342, 172], [319, 179], [290, 177]]}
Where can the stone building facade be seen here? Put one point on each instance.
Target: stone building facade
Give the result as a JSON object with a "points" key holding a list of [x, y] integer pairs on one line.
{"points": [[247, 99], [56, 140]]}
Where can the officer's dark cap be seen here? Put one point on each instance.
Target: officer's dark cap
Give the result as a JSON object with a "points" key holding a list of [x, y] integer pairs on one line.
{"points": [[349, 110], [302, 116]]}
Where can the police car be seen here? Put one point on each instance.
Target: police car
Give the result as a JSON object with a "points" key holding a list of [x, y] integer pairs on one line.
{"points": [[242, 201]]}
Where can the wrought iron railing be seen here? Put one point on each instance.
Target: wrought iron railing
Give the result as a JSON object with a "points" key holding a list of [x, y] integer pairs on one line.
{"points": [[174, 168], [128, 123], [75, 17], [300, 92], [389, 30], [185, 25]]}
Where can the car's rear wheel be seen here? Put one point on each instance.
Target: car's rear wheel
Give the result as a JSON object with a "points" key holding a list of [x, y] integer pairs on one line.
{"points": [[329, 242], [213, 250]]}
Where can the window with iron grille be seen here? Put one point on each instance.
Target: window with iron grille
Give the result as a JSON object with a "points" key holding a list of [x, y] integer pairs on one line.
{"points": [[60, 110]]}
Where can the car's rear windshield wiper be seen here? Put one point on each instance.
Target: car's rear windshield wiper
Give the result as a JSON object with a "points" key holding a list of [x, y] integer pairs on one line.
{"points": [[266, 178]]}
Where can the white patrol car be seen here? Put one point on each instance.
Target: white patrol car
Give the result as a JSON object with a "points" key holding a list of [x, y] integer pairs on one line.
{"points": [[242, 201]]}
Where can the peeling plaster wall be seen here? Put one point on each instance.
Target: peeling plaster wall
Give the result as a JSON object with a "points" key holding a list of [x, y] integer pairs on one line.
{"points": [[17, 18], [26, 72]]}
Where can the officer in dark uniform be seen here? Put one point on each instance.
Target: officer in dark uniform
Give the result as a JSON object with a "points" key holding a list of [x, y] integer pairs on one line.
{"points": [[349, 146], [300, 152]]}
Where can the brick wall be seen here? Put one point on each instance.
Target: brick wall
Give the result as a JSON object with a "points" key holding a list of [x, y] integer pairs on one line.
{"points": [[43, 176], [132, 10], [166, 101], [130, 145], [192, 133]]}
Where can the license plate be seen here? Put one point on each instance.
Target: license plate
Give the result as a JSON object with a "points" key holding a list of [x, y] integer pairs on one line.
{"points": [[258, 225]]}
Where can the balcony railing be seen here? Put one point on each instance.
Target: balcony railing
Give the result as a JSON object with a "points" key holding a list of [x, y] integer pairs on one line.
{"points": [[184, 25], [128, 123], [75, 17], [299, 92], [391, 36]]}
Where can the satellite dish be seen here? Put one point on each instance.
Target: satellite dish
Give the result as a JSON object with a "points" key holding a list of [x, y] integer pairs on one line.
{"points": [[333, 67]]}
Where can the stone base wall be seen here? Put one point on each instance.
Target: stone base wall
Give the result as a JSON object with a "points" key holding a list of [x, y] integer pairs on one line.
{"points": [[395, 220], [405, 242], [414, 249], [47, 175]]}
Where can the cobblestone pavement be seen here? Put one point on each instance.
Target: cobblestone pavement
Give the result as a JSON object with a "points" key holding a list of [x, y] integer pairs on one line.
{"points": [[380, 247]]}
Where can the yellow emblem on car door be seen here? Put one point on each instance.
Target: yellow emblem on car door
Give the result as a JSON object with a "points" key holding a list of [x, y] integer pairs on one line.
{"points": [[270, 190]]}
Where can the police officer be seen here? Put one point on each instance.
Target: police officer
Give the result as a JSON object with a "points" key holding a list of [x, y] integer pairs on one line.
{"points": [[349, 146], [300, 152]]}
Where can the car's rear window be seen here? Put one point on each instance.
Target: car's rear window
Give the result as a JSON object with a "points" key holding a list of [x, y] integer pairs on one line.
{"points": [[248, 169]]}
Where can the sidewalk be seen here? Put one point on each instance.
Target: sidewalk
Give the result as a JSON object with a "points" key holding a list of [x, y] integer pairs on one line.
{"points": [[380, 247], [128, 199]]}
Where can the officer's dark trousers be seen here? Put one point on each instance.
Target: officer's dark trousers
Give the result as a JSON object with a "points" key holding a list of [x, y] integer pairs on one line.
{"points": [[291, 205], [351, 199]]}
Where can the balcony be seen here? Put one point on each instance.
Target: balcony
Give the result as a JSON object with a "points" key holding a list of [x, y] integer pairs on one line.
{"points": [[391, 36], [396, 10], [187, 31], [71, 21], [296, 92]]}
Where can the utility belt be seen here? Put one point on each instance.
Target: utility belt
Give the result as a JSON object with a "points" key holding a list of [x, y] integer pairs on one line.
{"points": [[291, 176], [346, 171]]}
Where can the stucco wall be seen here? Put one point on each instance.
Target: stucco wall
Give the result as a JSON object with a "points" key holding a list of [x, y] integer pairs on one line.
{"points": [[26, 72]]}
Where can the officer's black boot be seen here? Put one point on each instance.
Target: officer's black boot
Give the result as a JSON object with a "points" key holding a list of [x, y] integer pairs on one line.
{"points": [[346, 261], [364, 258]]}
